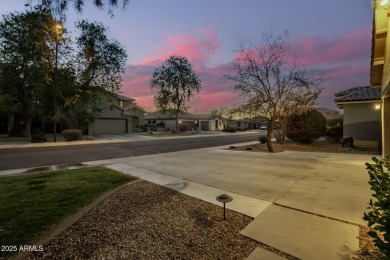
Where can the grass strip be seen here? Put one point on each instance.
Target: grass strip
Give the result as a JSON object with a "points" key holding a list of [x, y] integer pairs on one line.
{"points": [[32, 205]]}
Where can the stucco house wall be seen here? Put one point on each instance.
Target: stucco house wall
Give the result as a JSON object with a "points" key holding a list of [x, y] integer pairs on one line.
{"points": [[363, 123], [194, 122], [117, 115], [362, 118]]}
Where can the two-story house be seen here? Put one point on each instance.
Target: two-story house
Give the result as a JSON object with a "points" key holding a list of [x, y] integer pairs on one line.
{"points": [[116, 114]]}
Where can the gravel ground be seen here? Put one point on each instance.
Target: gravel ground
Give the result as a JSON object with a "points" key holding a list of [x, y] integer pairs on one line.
{"points": [[147, 221], [368, 251]]}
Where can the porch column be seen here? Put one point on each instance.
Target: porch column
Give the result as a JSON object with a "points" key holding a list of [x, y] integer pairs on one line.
{"points": [[385, 125]]}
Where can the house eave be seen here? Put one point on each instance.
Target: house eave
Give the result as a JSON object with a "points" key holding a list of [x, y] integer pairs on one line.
{"points": [[341, 104]]}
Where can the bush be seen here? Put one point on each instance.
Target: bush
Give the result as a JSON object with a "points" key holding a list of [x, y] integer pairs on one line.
{"points": [[262, 139], [38, 137], [334, 133], [72, 135], [16, 132], [335, 122], [379, 216], [230, 130], [306, 127]]}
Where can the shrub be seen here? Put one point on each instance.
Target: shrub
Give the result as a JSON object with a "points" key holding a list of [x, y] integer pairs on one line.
{"points": [[230, 130], [16, 132], [306, 127], [335, 122], [379, 216], [262, 139], [72, 135], [334, 133], [38, 137]]}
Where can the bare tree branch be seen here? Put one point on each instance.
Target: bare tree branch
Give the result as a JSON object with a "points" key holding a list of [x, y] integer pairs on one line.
{"points": [[269, 77]]}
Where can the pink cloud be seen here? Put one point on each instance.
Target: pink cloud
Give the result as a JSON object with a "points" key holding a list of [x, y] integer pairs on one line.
{"points": [[199, 49], [345, 60], [355, 46], [195, 49]]}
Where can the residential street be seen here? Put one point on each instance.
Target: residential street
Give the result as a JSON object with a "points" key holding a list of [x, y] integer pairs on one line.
{"points": [[54, 155]]}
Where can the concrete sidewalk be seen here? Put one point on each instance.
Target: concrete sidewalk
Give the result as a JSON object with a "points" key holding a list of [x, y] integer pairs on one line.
{"points": [[309, 205]]}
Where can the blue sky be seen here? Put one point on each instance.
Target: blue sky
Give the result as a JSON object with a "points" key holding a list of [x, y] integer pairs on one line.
{"points": [[334, 35]]}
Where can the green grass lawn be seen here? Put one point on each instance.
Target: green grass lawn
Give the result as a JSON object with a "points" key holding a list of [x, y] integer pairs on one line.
{"points": [[32, 205]]}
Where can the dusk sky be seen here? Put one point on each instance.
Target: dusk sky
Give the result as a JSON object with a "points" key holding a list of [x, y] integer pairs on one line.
{"points": [[334, 35]]}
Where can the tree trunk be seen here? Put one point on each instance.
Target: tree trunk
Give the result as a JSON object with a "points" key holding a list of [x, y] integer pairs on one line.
{"points": [[177, 121], [27, 132], [269, 135]]}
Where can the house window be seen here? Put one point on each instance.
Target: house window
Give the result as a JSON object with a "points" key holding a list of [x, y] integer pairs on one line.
{"points": [[121, 103], [154, 121], [238, 124], [149, 121]]}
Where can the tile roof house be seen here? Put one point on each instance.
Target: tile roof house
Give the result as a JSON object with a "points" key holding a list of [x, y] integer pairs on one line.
{"points": [[362, 118], [248, 123], [363, 94], [203, 122]]}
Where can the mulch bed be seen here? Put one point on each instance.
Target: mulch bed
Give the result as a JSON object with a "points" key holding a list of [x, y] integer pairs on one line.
{"points": [[147, 221]]}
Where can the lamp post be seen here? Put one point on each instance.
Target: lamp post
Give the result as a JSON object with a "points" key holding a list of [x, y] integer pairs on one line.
{"points": [[58, 28]]}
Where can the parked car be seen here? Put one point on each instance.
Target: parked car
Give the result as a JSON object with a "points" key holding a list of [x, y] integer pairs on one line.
{"points": [[263, 127]]}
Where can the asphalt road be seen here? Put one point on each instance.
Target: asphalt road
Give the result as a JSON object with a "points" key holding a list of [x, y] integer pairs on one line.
{"points": [[54, 155]]}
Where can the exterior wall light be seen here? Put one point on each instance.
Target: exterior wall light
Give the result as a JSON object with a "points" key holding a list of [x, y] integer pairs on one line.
{"points": [[377, 105]]}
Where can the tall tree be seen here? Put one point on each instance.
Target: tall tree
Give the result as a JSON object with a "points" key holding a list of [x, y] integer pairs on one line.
{"points": [[98, 68], [29, 81], [26, 52], [272, 81], [175, 83]]}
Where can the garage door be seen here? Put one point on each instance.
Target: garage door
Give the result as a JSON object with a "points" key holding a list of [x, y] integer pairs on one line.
{"points": [[189, 124], [109, 126], [204, 125]]}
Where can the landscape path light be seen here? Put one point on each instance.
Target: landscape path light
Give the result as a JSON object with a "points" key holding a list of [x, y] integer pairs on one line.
{"points": [[224, 198]]}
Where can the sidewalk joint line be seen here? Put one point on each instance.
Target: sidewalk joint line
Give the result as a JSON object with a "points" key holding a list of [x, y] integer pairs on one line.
{"points": [[318, 215]]}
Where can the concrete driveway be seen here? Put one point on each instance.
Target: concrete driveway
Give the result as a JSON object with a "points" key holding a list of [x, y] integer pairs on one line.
{"points": [[309, 204]]}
